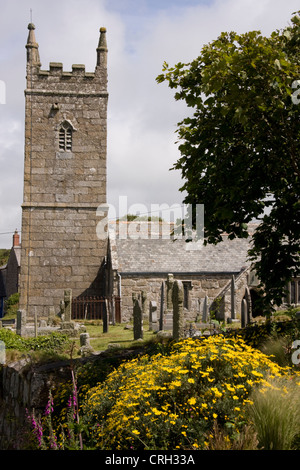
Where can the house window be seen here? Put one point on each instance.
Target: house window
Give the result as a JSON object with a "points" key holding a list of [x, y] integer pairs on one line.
{"points": [[65, 137]]}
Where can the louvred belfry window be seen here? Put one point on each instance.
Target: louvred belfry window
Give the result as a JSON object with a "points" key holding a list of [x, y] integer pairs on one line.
{"points": [[65, 137]]}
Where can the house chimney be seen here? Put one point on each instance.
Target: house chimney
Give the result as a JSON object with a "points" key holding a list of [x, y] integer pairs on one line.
{"points": [[16, 239]]}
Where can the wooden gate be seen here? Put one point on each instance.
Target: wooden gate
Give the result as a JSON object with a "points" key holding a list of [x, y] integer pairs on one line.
{"points": [[94, 308]]}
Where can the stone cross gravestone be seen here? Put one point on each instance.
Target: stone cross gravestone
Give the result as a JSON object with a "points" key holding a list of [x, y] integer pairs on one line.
{"points": [[68, 304], [170, 283], [153, 320]]}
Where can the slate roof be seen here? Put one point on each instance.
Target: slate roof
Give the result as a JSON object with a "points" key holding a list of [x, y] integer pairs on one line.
{"points": [[17, 251], [168, 256]]}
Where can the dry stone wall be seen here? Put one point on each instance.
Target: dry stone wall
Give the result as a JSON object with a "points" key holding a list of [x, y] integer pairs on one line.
{"points": [[23, 388]]}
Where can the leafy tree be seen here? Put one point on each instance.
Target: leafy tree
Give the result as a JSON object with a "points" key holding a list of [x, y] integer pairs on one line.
{"points": [[240, 145]]}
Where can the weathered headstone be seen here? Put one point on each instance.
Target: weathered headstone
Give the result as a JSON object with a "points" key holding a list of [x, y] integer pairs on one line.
{"points": [[205, 313], [144, 304], [249, 304], [178, 317], [153, 320], [244, 314], [137, 320], [62, 310], [68, 305], [198, 317], [35, 323], [105, 318], [2, 353], [168, 312], [51, 316], [21, 322], [162, 300], [233, 311], [85, 347], [170, 283], [67, 325]]}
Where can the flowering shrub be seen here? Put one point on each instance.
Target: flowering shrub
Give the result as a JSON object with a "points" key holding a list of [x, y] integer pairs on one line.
{"points": [[175, 400], [45, 434]]}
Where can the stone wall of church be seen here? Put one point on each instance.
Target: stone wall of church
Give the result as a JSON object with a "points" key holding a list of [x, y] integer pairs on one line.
{"points": [[197, 287]]}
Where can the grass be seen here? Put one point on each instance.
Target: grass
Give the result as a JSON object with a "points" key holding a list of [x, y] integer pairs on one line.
{"points": [[117, 335], [275, 414]]}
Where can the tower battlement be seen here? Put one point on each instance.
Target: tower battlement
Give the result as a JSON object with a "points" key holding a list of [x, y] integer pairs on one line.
{"points": [[56, 75]]}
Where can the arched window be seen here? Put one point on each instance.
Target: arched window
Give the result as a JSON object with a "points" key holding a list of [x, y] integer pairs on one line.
{"points": [[65, 137]]}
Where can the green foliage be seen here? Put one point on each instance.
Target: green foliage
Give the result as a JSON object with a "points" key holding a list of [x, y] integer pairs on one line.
{"points": [[52, 343], [12, 300], [4, 255], [12, 305], [240, 148]]}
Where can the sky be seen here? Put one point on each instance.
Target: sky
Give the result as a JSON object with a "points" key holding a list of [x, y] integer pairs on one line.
{"points": [[142, 115]]}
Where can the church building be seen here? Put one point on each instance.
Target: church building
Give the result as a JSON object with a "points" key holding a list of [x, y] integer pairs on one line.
{"points": [[65, 177]]}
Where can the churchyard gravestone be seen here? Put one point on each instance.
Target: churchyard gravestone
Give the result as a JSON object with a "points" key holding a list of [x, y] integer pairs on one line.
{"points": [[85, 347], [21, 322], [205, 313], [137, 320], [162, 301], [244, 313], [153, 319], [144, 304], [178, 317]]}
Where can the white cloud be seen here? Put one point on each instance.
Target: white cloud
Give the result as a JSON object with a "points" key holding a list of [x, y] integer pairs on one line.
{"points": [[142, 115]]}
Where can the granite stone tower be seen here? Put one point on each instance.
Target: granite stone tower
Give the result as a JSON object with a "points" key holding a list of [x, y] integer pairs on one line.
{"points": [[64, 179]]}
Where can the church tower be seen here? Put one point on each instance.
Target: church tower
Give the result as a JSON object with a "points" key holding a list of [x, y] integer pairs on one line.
{"points": [[64, 179]]}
